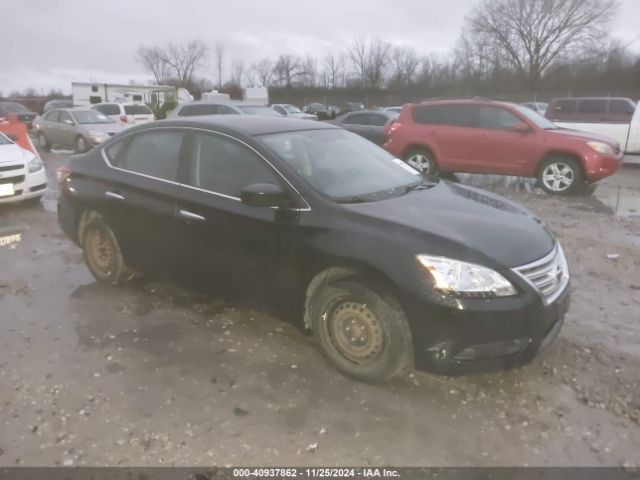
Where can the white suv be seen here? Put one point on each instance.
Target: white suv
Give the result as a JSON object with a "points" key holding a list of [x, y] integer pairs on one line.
{"points": [[126, 113]]}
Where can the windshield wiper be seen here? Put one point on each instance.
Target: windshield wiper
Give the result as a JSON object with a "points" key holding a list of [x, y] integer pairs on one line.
{"points": [[417, 186]]}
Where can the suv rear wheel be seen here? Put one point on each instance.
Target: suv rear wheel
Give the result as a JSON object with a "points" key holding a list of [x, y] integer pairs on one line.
{"points": [[421, 160], [365, 334], [560, 175]]}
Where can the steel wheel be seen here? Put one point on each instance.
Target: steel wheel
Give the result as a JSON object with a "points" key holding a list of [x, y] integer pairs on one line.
{"points": [[100, 252], [558, 176], [355, 332], [81, 145]]}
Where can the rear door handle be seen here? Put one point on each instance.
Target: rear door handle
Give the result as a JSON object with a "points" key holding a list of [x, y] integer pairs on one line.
{"points": [[191, 216], [114, 195]]}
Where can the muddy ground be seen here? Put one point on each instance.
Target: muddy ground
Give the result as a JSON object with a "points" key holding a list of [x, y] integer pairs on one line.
{"points": [[154, 374]]}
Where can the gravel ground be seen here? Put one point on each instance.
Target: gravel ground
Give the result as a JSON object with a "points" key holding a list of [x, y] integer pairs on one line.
{"points": [[153, 374]]}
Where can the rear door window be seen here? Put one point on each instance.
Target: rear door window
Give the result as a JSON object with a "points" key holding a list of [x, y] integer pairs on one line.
{"points": [[460, 115], [357, 119], [52, 116], [155, 154]]}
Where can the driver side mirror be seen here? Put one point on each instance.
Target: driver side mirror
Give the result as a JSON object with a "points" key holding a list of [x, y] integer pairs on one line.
{"points": [[264, 195], [521, 128]]}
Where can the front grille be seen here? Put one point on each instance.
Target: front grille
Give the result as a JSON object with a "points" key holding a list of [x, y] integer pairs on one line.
{"points": [[549, 275], [18, 179], [8, 168]]}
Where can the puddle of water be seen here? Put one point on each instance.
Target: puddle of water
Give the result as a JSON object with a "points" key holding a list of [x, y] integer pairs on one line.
{"points": [[623, 201], [517, 184]]}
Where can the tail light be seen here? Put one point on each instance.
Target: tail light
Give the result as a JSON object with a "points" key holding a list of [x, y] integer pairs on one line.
{"points": [[392, 127], [62, 173], [124, 119]]}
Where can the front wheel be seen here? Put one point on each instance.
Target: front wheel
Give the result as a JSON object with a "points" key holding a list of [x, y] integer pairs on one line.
{"points": [[422, 161], [363, 333], [43, 142], [103, 255], [81, 144], [560, 176]]}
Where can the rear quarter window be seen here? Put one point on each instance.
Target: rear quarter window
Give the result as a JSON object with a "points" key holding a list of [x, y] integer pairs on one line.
{"points": [[428, 115]]}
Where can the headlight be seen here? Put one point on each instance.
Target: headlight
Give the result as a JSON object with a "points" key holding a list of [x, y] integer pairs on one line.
{"points": [[98, 135], [35, 165], [600, 147], [465, 279]]}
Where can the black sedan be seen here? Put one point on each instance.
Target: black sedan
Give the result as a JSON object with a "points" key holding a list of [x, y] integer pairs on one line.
{"points": [[389, 268], [368, 124], [318, 109], [17, 112]]}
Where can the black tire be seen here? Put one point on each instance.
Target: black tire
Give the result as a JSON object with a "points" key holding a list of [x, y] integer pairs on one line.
{"points": [[560, 175], [379, 346], [81, 144], [43, 142], [103, 255], [422, 160]]}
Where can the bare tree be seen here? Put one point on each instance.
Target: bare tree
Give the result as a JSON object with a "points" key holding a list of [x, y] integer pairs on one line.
{"points": [[184, 60], [237, 72], [153, 60], [309, 71], [333, 70], [287, 69], [531, 34], [369, 58], [404, 62], [263, 71], [220, 56]]}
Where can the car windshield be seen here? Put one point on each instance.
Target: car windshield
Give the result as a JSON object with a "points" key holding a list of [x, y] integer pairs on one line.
{"points": [[292, 109], [344, 166], [536, 118], [12, 107], [84, 117], [5, 140], [258, 110]]}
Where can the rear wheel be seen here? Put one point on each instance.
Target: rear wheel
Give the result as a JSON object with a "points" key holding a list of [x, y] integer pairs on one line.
{"points": [[81, 144], [103, 255], [560, 176], [43, 142], [422, 160], [363, 333]]}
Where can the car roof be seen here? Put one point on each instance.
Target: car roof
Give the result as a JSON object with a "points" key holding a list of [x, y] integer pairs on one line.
{"points": [[251, 125], [590, 98]]}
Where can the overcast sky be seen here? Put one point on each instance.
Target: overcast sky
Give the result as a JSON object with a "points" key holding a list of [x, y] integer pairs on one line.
{"points": [[49, 43]]}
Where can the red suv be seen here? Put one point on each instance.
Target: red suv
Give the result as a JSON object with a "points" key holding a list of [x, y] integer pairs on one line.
{"points": [[482, 136]]}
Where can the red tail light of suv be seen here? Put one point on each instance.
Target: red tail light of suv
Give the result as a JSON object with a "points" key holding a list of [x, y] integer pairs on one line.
{"points": [[482, 136]]}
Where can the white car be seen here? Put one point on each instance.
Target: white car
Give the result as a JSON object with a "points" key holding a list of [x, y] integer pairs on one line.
{"points": [[288, 110], [22, 174], [126, 113]]}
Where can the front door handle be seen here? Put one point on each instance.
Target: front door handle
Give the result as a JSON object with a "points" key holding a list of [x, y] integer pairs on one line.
{"points": [[114, 195], [190, 215]]}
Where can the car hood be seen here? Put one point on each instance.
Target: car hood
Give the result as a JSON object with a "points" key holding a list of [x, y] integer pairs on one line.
{"points": [[12, 154], [587, 136], [463, 222]]}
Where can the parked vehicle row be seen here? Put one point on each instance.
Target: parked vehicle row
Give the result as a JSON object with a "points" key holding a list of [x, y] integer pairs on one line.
{"points": [[370, 124], [126, 113], [78, 128], [320, 217]]}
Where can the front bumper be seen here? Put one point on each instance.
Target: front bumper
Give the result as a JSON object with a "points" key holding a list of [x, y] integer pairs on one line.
{"points": [[484, 335], [598, 166], [26, 186]]}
